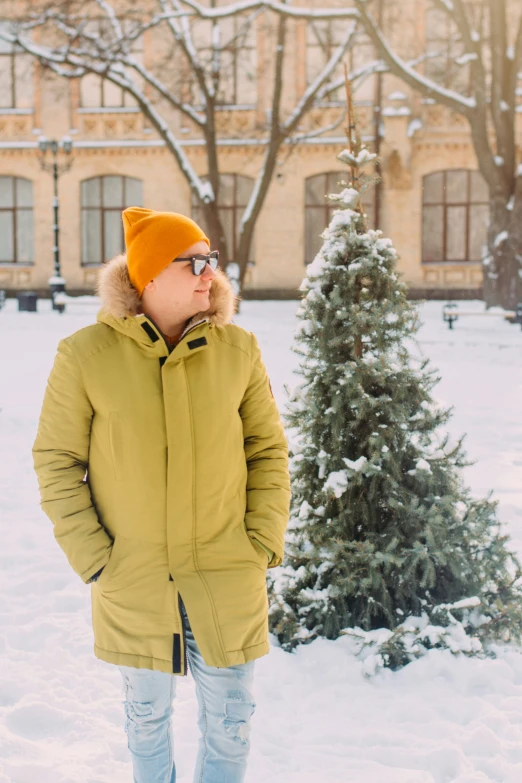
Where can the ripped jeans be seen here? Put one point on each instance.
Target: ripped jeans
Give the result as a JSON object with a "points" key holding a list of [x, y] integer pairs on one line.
{"points": [[225, 704]]}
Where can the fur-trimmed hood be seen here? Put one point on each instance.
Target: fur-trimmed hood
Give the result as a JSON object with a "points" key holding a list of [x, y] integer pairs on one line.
{"points": [[121, 300]]}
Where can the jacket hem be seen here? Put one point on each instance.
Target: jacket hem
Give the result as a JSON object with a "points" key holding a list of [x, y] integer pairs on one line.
{"points": [[233, 658], [247, 653], [136, 661]]}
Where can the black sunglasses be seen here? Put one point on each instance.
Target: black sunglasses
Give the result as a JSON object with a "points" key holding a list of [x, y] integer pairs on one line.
{"points": [[200, 261]]}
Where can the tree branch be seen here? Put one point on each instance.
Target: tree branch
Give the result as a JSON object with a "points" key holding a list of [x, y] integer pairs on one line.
{"points": [[456, 11], [185, 108], [279, 8], [115, 23], [357, 78], [106, 52], [318, 132], [513, 65], [261, 186], [517, 59], [310, 93], [55, 61], [181, 31], [499, 86], [454, 100]]}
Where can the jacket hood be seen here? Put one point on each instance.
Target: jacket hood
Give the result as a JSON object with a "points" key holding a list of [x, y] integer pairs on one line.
{"points": [[120, 300]]}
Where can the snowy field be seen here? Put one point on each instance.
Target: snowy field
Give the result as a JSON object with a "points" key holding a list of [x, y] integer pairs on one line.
{"points": [[439, 720]]}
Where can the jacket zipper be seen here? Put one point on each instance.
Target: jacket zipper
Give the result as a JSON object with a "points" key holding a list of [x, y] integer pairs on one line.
{"points": [[184, 633], [189, 329], [183, 334]]}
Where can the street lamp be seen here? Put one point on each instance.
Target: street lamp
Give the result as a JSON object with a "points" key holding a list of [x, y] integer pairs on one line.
{"points": [[56, 282]]}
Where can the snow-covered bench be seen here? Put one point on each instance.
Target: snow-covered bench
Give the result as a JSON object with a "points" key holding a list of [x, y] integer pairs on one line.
{"points": [[63, 300], [451, 313]]}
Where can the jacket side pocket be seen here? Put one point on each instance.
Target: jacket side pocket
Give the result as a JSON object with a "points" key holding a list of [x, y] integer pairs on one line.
{"points": [[115, 556]]}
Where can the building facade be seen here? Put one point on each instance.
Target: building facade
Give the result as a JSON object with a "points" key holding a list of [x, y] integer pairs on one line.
{"points": [[433, 202]]}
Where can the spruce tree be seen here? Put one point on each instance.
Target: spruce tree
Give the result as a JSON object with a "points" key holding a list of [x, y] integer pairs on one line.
{"points": [[382, 527]]}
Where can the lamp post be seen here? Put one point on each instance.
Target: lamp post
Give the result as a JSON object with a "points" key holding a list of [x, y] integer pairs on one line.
{"points": [[56, 282]]}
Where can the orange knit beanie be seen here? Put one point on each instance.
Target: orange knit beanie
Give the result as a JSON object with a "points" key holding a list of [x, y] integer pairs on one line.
{"points": [[154, 239]]}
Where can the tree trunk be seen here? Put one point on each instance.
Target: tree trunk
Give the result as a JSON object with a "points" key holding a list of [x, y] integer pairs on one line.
{"points": [[503, 266], [216, 232]]}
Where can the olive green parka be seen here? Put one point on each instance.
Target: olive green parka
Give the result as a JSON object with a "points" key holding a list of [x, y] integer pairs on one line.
{"points": [[167, 469]]}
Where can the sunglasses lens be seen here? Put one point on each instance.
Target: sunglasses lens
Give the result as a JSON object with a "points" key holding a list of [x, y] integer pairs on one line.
{"points": [[199, 262]]}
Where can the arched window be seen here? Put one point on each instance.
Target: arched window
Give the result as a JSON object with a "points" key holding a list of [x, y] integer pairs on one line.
{"points": [[319, 211], [455, 216], [16, 220], [234, 193], [102, 202]]}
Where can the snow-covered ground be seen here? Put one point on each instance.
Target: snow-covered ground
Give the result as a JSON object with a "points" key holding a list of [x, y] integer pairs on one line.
{"points": [[439, 720]]}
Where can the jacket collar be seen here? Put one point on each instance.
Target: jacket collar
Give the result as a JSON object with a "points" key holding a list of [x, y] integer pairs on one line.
{"points": [[121, 303]]}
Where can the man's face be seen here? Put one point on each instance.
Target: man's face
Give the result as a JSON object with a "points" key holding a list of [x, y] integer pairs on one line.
{"points": [[177, 289]]}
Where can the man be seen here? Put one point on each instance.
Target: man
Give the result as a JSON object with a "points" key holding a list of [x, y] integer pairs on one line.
{"points": [[163, 465]]}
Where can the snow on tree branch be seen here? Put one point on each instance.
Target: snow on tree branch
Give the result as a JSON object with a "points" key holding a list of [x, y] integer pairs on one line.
{"points": [[181, 30], [357, 77], [186, 108], [114, 71], [111, 15], [400, 68], [279, 8], [364, 157]]}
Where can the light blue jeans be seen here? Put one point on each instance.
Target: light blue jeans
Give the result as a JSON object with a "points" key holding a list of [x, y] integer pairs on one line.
{"points": [[225, 704]]}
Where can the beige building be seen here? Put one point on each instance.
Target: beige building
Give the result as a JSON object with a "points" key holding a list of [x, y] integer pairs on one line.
{"points": [[433, 201]]}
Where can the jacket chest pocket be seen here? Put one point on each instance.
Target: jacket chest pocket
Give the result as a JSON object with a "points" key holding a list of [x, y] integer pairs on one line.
{"points": [[116, 445]]}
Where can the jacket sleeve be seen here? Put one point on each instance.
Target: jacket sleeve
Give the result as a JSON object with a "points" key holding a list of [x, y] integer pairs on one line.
{"points": [[266, 453], [60, 455]]}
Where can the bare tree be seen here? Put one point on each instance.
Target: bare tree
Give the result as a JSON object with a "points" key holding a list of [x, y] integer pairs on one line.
{"points": [[494, 56], [95, 37], [488, 102]]}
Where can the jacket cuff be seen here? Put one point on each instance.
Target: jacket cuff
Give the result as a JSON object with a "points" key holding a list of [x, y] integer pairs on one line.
{"points": [[95, 576], [267, 550]]}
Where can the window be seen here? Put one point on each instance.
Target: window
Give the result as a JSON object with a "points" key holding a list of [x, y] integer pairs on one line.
{"points": [[237, 60], [319, 211], [444, 46], [16, 220], [323, 37], [234, 193], [102, 202], [238, 83], [99, 93], [455, 216], [360, 55], [16, 75]]}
